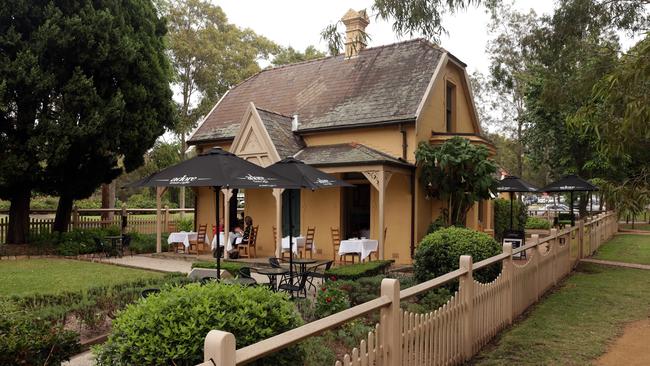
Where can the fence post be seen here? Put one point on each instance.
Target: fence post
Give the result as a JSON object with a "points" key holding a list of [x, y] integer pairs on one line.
{"points": [[509, 273], [219, 346], [389, 323], [581, 239], [554, 247], [75, 217], [535, 259], [466, 293]]}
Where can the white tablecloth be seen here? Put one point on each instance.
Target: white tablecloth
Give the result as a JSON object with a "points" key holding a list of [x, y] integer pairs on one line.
{"points": [[362, 246], [183, 237], [232, 239], [298, 242]]}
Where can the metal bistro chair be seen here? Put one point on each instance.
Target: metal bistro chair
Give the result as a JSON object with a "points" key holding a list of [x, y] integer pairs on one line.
{"points": [[298, 289], [100, 248], [126, 244], [314, 273], [148, 292]]}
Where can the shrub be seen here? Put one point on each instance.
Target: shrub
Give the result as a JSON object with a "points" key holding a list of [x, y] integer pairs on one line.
{"points": [[145, 243], [537, 223], [330, 300], [358, 270], [145, 200], [185, 224], [439, 252], [437, 224], [170, 327], [502, 216], [232, 267]]}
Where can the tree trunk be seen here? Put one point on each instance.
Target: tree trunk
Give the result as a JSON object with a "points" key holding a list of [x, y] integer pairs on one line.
{"points": [[108, 201], [181, 193], [19, 218], [63, 212]]}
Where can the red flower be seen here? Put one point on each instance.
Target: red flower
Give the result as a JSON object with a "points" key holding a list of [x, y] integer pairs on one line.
{"points": [[329, 299], [333, 278], [323, 289]]}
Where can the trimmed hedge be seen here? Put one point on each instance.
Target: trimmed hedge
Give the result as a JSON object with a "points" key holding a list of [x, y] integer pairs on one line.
{"points": [[538, 223], [36, 328], [358, 270], [232, 267], [439, 253], [169, 328]]}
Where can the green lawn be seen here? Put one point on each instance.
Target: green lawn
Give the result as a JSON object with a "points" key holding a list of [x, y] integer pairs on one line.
{"points": [[29, 276], [573, 325], [645, 227], [628, 248]]}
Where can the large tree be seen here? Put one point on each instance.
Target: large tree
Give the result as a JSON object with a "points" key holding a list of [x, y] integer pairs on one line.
{"points": [[289, 55], [509, 55], [209, 55], [86, 93]]}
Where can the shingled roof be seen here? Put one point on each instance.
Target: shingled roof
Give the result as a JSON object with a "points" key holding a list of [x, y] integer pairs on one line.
{"points": [[346, 154], [279, 128], [380, 85]]}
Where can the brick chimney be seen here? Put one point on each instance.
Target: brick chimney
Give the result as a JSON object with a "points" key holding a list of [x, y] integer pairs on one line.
{"points": [[355, 31]]}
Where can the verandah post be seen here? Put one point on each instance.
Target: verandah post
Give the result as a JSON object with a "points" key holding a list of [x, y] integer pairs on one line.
{"points": [[219, 346], [466, 293], [389, 323]]}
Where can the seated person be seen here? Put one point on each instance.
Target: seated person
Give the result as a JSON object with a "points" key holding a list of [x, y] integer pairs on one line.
{"points": [[248, 226]]}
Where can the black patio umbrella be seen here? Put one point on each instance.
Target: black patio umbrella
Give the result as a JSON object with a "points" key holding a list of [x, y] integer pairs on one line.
{"points": [[570, 183], [307, 177], [513, 184], [217, 169]]}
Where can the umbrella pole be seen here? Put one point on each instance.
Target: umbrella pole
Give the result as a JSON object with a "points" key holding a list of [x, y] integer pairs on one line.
{"points": [[511, 209], [216, 201], [573, 219], [290, 240]]}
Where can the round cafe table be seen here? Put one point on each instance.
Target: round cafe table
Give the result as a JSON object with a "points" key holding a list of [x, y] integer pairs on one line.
{"points": [[303, 262], [272, 274]]}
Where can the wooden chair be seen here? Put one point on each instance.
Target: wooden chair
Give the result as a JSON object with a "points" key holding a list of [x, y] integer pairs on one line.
{"points": [[199, 243], [336, 243], [309, 244], [172, 227], [247, 249]]}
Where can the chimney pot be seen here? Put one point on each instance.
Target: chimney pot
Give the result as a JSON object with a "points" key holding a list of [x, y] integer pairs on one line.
{"points": [[355, 31], [294, 123]]}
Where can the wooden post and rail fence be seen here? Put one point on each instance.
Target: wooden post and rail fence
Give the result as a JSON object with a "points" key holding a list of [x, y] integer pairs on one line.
{"points": [[455, 332], [140, 220]]}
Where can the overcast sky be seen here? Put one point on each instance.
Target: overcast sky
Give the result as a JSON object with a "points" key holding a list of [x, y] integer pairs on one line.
{"points": [[299, 23]]}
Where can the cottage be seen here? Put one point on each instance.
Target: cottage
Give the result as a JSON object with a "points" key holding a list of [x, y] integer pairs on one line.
{"points": [[360, 116]]}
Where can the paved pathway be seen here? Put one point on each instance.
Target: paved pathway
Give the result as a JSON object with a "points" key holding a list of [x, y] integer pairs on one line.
{"points": [[82, 359], [616, 264]]}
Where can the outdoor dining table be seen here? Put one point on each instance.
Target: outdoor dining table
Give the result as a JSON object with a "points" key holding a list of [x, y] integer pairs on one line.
{"points": [[298, 242], [116, 244], [362, 246], [232, 240], [272, 274], [184, 237]]}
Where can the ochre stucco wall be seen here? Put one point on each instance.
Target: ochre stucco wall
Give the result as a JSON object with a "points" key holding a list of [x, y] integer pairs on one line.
{"points": [[387, 139], [321, 209]]}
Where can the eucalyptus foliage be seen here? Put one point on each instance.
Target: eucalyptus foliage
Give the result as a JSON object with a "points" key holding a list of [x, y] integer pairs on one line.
{"points": [[457, 172]]}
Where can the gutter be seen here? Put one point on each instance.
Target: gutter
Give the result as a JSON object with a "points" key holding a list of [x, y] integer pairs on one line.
{"points": [[357, 125]]}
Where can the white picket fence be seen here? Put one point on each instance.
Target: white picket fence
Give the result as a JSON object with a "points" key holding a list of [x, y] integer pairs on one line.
{"points": [[456, 331]]}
